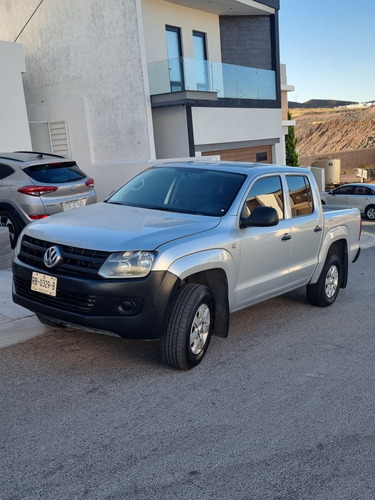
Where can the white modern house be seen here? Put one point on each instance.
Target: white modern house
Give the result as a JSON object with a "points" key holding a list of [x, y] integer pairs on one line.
{"points": [[122, 83], [14, 129]]}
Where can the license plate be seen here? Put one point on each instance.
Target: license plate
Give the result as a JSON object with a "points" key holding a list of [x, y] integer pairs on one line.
{"points": [[43, 283], [70, 205]]}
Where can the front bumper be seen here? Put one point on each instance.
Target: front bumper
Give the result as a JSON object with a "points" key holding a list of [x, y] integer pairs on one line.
{"points": [[132, 308]]}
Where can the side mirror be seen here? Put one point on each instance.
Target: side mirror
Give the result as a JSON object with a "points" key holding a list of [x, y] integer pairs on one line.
{"points": [[261, 217]]}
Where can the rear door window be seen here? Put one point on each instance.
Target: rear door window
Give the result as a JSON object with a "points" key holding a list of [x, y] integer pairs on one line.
{"points": [[50, 173], [300, 195], [362, 191]]}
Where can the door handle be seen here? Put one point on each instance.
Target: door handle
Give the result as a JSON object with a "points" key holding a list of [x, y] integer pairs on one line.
{"points": [[318, 229], [286, 237]]}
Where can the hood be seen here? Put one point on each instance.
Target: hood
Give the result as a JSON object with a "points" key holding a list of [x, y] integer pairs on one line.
{"points": [[108, 227]]}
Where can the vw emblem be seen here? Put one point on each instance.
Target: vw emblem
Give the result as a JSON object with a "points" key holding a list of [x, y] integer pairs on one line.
{"points": [[52, 257], [73, 188]]}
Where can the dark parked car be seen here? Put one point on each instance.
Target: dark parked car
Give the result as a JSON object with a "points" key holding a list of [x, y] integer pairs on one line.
{"points": [[35, 185], [356, 195]]}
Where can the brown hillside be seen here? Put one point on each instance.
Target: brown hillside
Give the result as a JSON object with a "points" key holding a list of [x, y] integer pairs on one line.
{"points": [[322, 131]]}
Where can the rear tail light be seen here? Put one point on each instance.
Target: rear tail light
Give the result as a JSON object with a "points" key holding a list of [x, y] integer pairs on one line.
{"points": [[37, 217], [37, 190], [90, 183]]}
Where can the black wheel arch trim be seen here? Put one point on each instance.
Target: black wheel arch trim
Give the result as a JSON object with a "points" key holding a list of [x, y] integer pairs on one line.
{"points": [[216, 281], [340, 249]]}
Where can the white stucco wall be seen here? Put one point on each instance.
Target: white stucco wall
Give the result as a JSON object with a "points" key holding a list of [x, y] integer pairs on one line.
{"points": [[238, 125], [14, 130], [158, 13], [215, 125]]}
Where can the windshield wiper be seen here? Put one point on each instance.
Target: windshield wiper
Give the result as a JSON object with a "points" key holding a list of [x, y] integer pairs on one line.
{"points": [[114, 202]]}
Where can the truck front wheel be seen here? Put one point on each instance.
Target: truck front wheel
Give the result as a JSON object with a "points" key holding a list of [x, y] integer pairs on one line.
{"points": [[189, 327], [324, 292]]}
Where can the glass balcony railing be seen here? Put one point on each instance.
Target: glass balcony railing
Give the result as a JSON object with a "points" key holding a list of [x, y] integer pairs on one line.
{"points": [[227, 80]]}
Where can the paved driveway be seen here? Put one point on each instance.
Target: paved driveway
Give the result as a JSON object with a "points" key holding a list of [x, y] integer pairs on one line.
{"points": [[282, 409]]}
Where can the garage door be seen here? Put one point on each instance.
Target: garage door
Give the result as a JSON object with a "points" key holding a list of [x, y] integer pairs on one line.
{"points": [[257, 154]]}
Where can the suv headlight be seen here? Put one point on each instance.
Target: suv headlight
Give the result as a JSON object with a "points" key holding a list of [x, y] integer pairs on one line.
{"points": [[127, 265]]}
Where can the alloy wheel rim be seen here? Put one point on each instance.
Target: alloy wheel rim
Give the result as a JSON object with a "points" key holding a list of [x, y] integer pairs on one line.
{"points": [[200, 329], [332, 281]]}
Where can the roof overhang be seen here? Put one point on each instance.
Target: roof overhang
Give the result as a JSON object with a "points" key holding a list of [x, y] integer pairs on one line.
{"points": [[232, 7]]}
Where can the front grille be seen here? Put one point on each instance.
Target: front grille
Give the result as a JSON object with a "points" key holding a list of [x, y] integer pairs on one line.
{"points": [[64, 300], [78, 262]]}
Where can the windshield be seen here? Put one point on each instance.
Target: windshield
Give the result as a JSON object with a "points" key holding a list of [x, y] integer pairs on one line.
{"points": [[50, 173], [177, 189]]}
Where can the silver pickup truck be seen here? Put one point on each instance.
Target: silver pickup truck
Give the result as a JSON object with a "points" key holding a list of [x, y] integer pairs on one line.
{"points": [[174, 251]]}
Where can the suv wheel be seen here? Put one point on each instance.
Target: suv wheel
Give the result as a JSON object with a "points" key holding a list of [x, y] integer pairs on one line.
{"points": [[10, 221]]}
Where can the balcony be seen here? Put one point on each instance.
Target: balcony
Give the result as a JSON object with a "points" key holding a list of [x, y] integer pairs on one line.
{"points": [[226, 80]]}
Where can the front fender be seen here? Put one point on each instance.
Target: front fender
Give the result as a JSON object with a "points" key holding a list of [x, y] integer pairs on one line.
{"points": [[215, 269], [202, 261]]}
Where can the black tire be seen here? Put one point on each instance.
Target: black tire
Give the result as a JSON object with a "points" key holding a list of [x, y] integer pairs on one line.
{"points": [[324, 292], [189, 327], [370, 212], [10, 221], [49, 322]]}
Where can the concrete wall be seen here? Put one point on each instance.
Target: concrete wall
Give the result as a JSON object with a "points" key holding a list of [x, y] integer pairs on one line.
{"points": [[14, 130]]}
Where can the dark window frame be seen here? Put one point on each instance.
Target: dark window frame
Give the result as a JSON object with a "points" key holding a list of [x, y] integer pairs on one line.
{"points": [[204, 84], [176, 85]]}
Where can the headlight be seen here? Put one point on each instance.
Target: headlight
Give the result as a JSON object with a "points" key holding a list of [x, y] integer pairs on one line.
{"points": [[127, 265]]}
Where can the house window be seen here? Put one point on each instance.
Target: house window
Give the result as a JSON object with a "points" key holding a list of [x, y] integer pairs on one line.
{"points": [[200, 56], [261, 156], [176, 76]]}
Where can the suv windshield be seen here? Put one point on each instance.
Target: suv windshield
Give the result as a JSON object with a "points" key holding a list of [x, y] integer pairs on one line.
{"points": [[176, 189], [50, 173]]}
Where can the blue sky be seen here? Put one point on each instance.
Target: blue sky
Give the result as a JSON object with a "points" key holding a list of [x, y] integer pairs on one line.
{"points": [[328, 47]]}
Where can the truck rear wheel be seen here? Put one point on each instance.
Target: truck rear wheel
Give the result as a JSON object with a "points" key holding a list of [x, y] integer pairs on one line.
{"points": [[189, 328], [324, 292]]}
